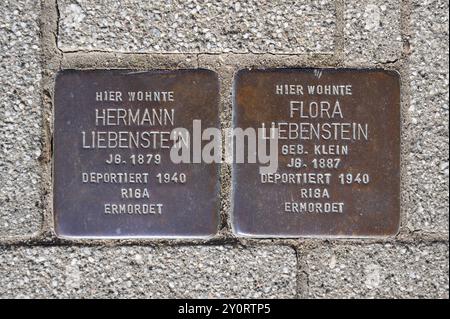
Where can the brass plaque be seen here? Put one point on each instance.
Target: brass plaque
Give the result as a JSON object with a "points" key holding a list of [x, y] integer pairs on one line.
{"points": [[338, 135], [113, 176]]}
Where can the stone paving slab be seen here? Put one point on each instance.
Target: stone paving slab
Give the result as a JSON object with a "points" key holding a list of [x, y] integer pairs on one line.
{"points": [[144, 272], [427, 183], [377, 270], [372, 31], [20, 118], [197, 26]]}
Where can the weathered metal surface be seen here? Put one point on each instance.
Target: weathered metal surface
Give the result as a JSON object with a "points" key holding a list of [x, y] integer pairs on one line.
{"points": [[105, 183], [365, 201]]}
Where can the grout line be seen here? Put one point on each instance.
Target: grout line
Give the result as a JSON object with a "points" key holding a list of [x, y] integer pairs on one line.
{"points": [[300, 287], [405, 16], [221, 240], [52, 59], [56, 32], [340, 30], [198, 53], [405, 117]]}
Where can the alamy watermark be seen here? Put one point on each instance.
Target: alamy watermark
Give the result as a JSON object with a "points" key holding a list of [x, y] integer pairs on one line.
{"points": [[250, 145]]}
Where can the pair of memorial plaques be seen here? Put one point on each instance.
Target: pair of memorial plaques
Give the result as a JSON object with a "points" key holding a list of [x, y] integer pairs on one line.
{"points": [[315, 152]]}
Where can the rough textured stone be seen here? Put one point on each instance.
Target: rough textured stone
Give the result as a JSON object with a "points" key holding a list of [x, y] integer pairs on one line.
{"points": [[136, 272], [427, 184], [372, 30], [337, 269], [20, 118], [197, 26], [377, 271]]}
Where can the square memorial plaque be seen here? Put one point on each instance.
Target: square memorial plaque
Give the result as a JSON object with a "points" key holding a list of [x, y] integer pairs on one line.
{"points": [[113, 174], [337, 173]]}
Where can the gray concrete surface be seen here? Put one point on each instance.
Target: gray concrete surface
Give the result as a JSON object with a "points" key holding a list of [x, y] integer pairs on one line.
{"points": [[197, 26], [372, 31], [376, 270], [144, 272], [427, 172], [408, 36], [20, 118]]}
